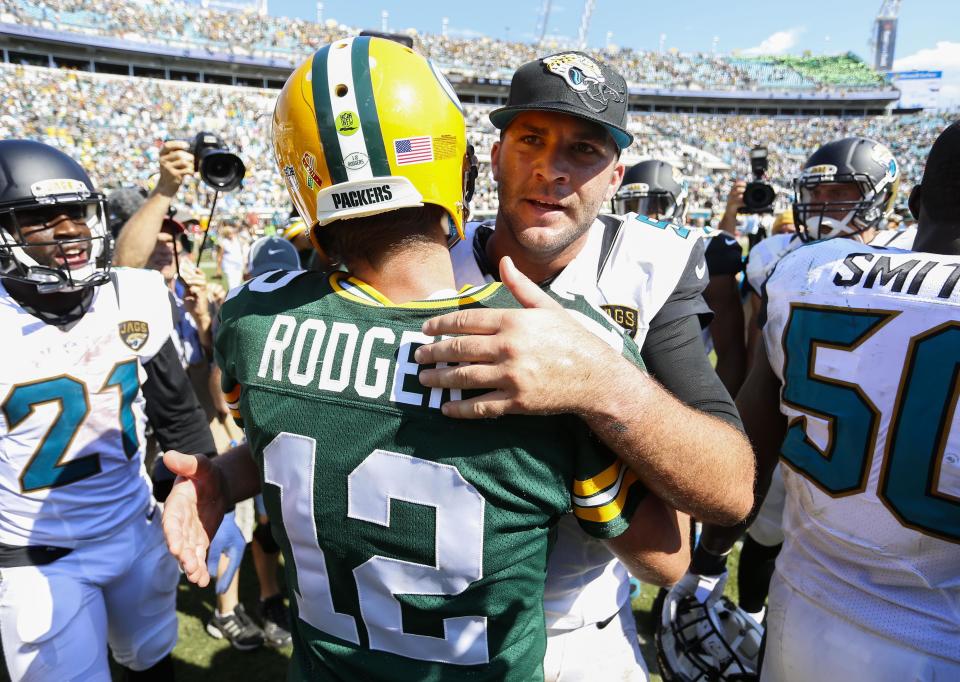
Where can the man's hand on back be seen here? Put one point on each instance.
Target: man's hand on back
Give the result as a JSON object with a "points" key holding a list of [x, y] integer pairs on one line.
{"points": [[537, 360]]}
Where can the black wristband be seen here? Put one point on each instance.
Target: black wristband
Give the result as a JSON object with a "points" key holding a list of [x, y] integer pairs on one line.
{"points": [[705, 562]]}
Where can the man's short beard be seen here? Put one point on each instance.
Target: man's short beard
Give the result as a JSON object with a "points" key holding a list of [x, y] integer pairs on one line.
{"points": [[558, 245]]}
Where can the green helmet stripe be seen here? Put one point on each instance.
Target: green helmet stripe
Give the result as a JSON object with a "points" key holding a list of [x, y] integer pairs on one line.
{"points": [[324, 113], [367, 107]]}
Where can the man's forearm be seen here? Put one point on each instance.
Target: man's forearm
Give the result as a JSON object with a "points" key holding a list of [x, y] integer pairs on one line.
{"points": [[695, 462], [239, 474], [728, 223], [656, 546], [138, 237]]}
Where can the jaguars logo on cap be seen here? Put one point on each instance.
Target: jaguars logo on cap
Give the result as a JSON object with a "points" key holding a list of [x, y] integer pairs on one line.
{"points": [[585, 77], [134, 333]]}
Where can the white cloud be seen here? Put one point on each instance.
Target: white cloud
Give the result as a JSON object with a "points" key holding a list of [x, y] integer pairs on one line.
{"points": [[777, 43], [945, 56]]}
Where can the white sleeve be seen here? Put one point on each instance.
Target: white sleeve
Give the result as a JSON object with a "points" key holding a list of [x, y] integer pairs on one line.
{"points": [[144, 298]]}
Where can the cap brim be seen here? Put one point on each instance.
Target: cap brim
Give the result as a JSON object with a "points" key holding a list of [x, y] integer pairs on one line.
{"points": [[501, 118]]}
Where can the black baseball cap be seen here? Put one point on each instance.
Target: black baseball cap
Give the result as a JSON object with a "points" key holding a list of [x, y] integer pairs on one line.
{"points": [[571, 83]]}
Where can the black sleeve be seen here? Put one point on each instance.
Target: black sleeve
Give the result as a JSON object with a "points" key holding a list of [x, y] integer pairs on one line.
{"points": [[724, 256], [675, 356], [687, 297], [172, 407]]}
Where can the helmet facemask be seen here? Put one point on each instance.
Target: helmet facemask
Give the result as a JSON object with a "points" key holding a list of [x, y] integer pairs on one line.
{"points": [[859, 215], [17, 263], [707, 641], [656, 204]]}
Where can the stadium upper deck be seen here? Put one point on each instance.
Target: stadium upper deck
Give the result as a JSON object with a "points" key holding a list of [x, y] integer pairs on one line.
{"points": [[114, 125], [283, 42]]}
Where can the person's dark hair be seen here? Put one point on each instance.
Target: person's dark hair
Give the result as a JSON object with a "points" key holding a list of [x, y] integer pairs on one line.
{"points": [[941, 178], [373, 236]]}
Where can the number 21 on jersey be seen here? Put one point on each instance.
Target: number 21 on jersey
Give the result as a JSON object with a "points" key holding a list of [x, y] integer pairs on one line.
{"points": [[920, 422], [46, 468]]}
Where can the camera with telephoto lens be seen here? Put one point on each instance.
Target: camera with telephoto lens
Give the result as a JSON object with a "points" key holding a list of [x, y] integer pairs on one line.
{"points": [[219, 168], [758, 197]]}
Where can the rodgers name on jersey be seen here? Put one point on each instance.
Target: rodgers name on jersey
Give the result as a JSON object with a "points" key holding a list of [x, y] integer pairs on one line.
{"points": [[71, 413], [866, 342], [370, 363], [415, 545]]}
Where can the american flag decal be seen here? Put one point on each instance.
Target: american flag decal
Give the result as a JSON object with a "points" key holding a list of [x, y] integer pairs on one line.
{"points": [[413, 150]]}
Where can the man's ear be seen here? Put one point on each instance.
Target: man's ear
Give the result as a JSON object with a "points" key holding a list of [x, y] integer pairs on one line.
{"points": [[616, 179], [915, 201], [495, 161]]}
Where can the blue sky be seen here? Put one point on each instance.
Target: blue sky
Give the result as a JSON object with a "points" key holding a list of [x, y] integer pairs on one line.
{"points": [[928, 32]]}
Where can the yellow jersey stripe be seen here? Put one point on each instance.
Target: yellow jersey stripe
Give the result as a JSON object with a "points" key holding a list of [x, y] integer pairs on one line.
{"points": [[612, 509], [358, 291], [594, 484]]}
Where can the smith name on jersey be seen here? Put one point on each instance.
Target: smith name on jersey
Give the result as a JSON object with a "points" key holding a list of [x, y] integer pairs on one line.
{"points": [[866, 342], [72, 420], [415, 545]]}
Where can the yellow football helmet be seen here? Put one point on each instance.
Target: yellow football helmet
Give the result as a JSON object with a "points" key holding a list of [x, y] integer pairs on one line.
{"points": [[367, 125]]}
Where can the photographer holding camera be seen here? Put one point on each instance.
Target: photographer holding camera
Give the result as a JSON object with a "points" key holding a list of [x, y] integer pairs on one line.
{"points": [[206, 155], [150, 239], [754, 199], [138, 236]]}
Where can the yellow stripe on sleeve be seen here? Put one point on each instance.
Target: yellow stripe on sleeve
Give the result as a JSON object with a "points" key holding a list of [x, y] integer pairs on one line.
{"points": [[602, 481], [612, 509], [233, 395]]}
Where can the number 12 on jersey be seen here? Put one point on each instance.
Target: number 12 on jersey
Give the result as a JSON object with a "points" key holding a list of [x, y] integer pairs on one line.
{"points": [[920, 422], [289, 463]]}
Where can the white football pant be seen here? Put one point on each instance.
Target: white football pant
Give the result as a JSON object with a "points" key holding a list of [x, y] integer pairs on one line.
{"points": [[56, 620], [610, 653]]}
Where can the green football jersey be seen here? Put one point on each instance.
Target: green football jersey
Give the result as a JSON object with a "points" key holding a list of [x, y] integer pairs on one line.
{"points": [[415, 545]]}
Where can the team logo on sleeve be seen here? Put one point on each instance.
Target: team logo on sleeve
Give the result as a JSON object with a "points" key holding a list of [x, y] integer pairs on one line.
{"points": [[624, 316], [134, 333]]}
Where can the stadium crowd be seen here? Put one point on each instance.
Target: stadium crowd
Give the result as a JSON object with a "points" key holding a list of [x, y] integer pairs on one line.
{"points": [[671, 445], [251, 34], [112, 125]]}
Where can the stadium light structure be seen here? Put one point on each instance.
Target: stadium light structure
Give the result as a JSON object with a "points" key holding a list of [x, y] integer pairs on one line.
{"points": [[883, 37], [542, 20], [585, 23]]}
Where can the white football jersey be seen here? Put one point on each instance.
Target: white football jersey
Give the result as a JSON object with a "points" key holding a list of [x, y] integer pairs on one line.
{"points": [[765, 255], [763, 258], [72, 419], [629, 272], [897, 239], [866, 342]]}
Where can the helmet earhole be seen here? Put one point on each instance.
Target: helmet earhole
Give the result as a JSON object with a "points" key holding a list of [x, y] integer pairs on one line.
{"points": [[341, 90]]}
